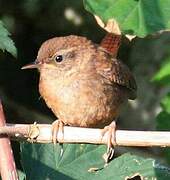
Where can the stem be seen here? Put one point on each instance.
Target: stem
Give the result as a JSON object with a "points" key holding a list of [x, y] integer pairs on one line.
{"points": [[41, 133], [7, 164]]}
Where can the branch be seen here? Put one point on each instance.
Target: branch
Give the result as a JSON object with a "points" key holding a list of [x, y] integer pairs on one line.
{"points": [[41, 133], [7, 164]]}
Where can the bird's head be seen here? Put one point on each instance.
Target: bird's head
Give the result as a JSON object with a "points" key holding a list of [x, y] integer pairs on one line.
{"points": [[63, 53]]}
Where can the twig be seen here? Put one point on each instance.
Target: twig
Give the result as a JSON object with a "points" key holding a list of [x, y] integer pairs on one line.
{"points": [[42, 133], [7, 163]]}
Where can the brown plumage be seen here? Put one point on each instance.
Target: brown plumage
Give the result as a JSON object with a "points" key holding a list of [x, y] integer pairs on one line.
{"points": [[88, 87], [111, 43], [81, 82]]}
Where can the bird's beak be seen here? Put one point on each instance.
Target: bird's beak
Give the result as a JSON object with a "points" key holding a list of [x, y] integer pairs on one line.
{"points": [[32, 65]]}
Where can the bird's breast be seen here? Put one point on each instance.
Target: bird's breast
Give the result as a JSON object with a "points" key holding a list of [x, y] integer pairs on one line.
{"points": [[81, 100]]}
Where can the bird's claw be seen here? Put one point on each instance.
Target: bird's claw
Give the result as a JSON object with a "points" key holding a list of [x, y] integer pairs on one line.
{"points": [[111, 141], [56, 127], [33, 132]]}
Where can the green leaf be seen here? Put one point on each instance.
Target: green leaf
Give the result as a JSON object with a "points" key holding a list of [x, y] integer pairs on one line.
{"points": [[163, 75], [165, 104], [43, 161], [135, 17], [163, 123], [6, 43]]}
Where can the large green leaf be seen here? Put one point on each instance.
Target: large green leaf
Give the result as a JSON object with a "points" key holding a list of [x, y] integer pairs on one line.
{"points": [[42, 161], [6, 43], [136, 17]]}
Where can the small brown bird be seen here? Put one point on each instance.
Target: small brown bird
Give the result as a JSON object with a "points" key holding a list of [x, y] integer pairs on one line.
{"points": [[82, 83]]}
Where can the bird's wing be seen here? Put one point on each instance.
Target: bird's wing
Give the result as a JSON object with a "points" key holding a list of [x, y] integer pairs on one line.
{"points": [[116, 72]]}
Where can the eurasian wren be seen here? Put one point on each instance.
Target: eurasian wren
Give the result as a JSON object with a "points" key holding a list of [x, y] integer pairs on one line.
{"points": [[81, 82]]}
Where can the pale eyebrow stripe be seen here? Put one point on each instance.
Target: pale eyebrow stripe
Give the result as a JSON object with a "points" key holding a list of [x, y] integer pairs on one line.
{"points": [[63, 51]]}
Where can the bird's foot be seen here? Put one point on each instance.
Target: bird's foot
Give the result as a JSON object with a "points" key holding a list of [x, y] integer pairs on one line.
{"points": [[111, 141], [33, 133], [56, 127]]}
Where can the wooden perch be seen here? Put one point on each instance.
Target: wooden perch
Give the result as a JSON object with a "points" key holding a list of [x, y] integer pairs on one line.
{"points": [[41, 133]]}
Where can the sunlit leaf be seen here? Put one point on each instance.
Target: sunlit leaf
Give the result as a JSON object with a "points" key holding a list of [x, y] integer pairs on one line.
{"points": [[6, 43], [165, 104], [135, 17], [163, 75]]}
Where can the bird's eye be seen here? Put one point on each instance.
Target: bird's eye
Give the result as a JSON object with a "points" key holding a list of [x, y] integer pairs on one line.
{"points": [[58, 58]]}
